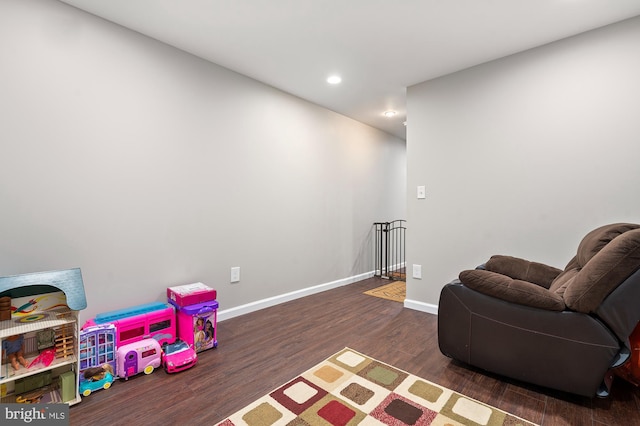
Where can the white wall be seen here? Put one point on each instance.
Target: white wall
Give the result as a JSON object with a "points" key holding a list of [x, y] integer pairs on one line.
{"points": [[523, 155], [147, 167]]}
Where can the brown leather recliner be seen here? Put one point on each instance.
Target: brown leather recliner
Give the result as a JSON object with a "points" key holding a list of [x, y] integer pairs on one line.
{"points": [[562, 329]]}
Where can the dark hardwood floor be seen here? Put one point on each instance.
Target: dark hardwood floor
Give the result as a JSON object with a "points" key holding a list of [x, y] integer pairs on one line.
{"points": [[259, 351]]}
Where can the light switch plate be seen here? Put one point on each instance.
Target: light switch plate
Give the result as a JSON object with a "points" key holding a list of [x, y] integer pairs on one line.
{"points": [[235, 274], [417, 271], [422, 192]]}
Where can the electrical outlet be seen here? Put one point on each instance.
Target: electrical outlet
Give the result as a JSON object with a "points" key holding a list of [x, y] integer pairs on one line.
{"points": [[417, 271], [235, 274]]}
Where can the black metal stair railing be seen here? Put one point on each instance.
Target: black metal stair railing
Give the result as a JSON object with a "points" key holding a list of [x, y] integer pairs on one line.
{"points": [[390, 249]]}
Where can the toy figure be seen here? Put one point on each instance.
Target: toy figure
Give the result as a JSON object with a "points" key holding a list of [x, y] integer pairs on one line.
{"points": [[209, 331], [199, 338], [97, 373], [198, 334], [199, 326], [14, 348]]}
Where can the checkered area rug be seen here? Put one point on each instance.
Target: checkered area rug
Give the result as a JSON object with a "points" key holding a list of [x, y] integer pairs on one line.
{"points": [[350, 388]]}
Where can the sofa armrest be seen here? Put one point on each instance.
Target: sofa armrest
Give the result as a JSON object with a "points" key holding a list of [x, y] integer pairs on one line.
{"points": [[512, 290], [521, 269]]}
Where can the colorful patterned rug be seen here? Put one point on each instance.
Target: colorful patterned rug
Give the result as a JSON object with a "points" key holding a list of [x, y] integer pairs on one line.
{"points": [[351, 388], [396, 291]]}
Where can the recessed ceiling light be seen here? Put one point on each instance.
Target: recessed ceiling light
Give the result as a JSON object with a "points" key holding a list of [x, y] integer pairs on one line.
{"points": [[334, 79], [389, 113]]}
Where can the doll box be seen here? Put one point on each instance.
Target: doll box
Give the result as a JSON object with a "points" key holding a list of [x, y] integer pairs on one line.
{"points": [[190, 294], [197, 325]]}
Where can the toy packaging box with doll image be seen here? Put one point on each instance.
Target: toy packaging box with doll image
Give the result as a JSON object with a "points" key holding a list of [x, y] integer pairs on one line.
{"points": [[197, 325]]}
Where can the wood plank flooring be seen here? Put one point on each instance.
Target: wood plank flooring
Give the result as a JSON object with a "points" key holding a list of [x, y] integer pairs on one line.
{"points": [[259, 351]]}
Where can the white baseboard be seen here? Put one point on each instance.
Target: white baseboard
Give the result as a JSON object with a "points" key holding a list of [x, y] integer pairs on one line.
{"points": [[276, 300], [421, 306], [392, 268]]}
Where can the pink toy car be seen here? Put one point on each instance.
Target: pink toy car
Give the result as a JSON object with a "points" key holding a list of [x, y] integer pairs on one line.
{"points": [[178, 356]]}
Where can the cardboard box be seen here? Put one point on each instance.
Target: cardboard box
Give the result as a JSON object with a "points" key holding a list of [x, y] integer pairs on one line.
{"points": [[190, 294]]}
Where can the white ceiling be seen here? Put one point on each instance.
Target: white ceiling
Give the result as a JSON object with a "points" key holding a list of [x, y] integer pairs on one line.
{"points": [[378, 47]]}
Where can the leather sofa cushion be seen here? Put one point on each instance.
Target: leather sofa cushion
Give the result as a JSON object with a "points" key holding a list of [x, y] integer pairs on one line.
{"points": [[606, 257], [521, 269], [512, 290]]}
